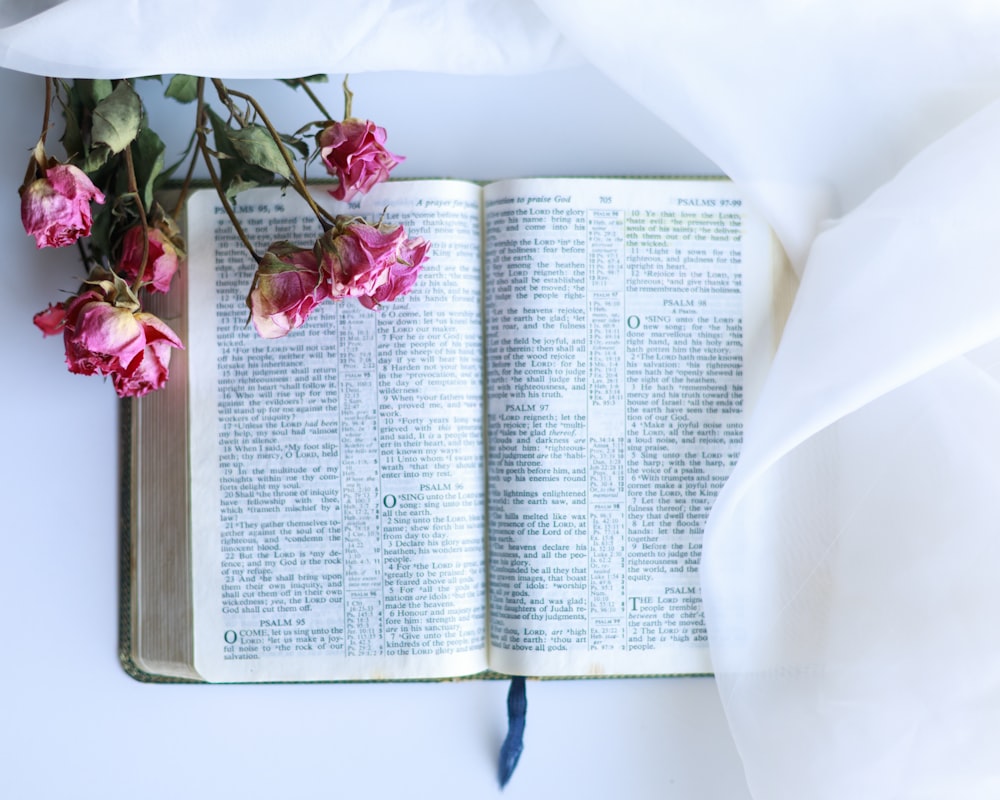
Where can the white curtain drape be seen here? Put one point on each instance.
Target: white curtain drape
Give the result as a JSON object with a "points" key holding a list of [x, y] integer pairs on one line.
{"points": [[850, 564]]}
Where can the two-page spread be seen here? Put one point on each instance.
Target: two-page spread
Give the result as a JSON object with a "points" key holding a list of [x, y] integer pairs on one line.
{"points": [[508, 469]]}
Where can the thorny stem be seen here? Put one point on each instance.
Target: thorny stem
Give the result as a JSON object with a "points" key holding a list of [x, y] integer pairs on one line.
{"points": [[348, 98], [226, 96], [185, 186], [48, 108], [133, 187], [189, 176], [312, 96], [203, 149], [36, 163], [298, 184], [225, 202], [84, 255]]}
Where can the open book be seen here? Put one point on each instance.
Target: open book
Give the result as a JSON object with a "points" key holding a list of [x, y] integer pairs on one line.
{"points": [[507, 470]]}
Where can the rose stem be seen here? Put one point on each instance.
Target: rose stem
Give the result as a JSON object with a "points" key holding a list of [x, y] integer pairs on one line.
{"points": [[296, 179]]}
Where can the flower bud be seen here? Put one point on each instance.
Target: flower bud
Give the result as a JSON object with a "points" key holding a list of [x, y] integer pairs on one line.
{"points": [[354, 152], [164, 253], [55, 208], [286, 288]]}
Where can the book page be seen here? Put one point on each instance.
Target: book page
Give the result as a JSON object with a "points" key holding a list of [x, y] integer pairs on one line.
{"points": [[338, 477], [625, 319]]}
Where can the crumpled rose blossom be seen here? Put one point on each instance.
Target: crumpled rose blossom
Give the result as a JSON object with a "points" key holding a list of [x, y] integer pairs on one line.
{"points": [[357, 256], [354, 151], [374, 263], [402, 274], [106, 333], [150, 369], [162, 257], [55, 209], [286, 288]]}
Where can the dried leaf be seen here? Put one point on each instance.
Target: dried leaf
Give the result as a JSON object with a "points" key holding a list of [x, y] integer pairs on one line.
{"points": [[117, 118]]}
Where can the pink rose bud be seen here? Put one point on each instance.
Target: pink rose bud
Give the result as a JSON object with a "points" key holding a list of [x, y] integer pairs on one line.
{"points": [[105, 333], [354, 152], [56, 209], [162, 257], [375, 264], [286, 288]]}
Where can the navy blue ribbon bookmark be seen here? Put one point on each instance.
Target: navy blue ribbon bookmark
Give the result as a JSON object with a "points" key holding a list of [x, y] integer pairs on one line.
{"points": [[517, 712]]}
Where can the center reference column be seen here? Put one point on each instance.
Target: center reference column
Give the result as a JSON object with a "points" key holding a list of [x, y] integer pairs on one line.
{"points": [[357, 345], [606, 427]]}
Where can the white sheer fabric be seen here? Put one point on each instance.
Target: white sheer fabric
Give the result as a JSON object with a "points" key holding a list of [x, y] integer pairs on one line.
{"points": [[258, 39], [850, 569]]}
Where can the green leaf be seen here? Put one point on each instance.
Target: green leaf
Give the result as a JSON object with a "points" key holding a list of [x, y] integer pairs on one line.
{"points": [[256, 146], [117, 118], [100, 232], [72, 138], [96, 158], [68, 95], [220, 131], [147, 154], [301, 146], [168, 172], [236, 174], [183, 88], [92, 92], [240, 183]]}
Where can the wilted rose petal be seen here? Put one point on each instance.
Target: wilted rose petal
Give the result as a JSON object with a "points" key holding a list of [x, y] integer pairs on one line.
{"points": [[51, 320]]}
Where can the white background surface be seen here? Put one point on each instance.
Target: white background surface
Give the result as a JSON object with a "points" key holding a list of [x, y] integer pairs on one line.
{"points": [[73, 724]]}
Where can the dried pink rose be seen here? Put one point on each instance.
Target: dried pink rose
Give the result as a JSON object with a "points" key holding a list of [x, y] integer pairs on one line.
{"points": [[402, 273], [374, 263], [55, 209], [286, 288], [106, 333], [162, 257], [151, 368], [357, 256], [354, 151]]}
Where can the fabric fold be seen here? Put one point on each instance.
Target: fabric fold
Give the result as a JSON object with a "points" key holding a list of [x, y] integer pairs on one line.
{"points": [[254, 39], [849, 563]]}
